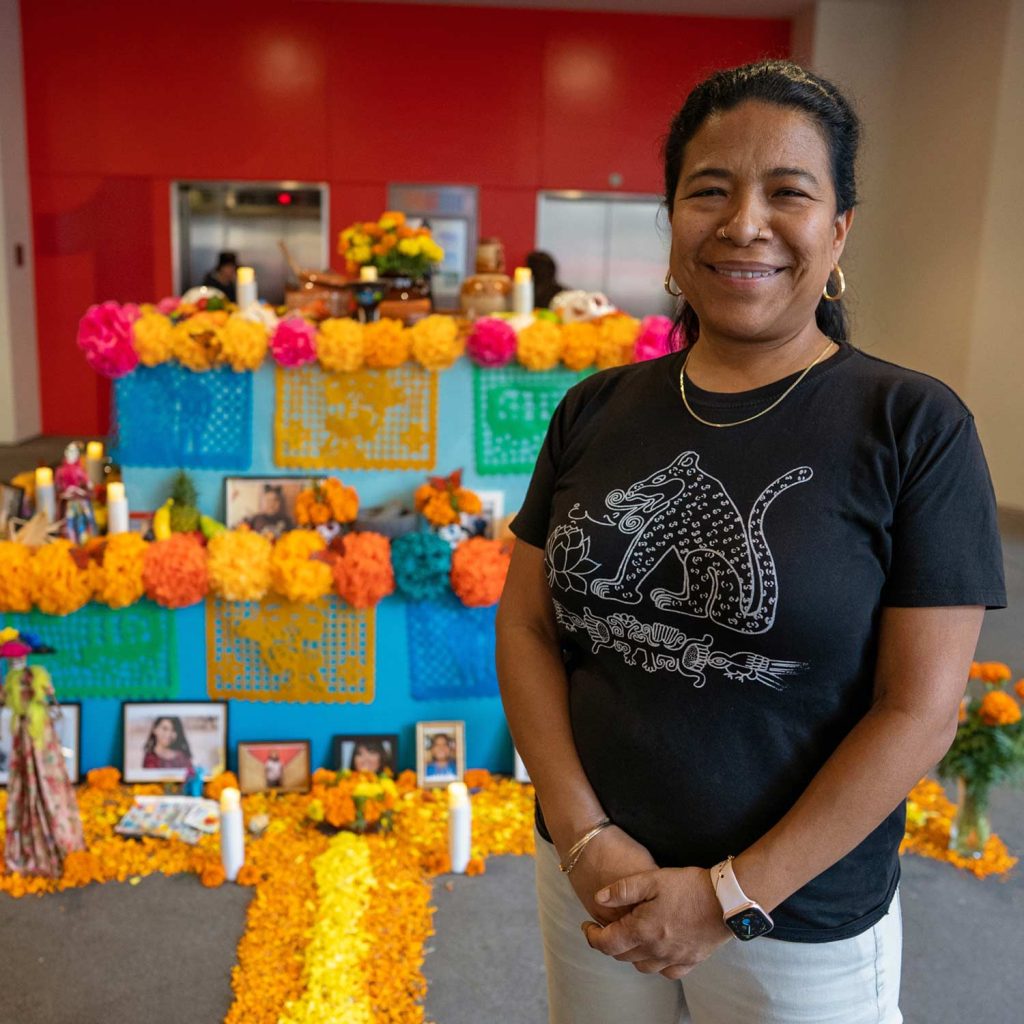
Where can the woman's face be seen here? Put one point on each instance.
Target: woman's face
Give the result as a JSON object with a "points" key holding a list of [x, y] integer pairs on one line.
{"points": [[756, 167], [440, 749], [367, 760], [165, 732], [271, 503]]}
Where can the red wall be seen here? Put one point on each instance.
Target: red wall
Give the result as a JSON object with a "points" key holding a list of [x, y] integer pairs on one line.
{"points": [[123, 97]]}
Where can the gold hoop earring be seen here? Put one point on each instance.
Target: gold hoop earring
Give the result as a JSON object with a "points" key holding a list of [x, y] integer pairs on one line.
{"points": [[842, 286], [668, 286]]}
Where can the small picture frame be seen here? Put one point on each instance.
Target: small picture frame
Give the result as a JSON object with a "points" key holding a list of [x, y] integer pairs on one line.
{"points": [[12, 500], [278, 766], [440, 753], [266, 504], [368, 752], [163, 740], [484, 523], [140, 523], [67, 723]]}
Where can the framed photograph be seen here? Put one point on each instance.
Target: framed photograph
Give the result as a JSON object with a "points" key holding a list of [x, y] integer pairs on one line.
{"points": [[140, 523], [373, 752], [67, 723], [163, 740], [278, 765], [11, 501], [484, 522], [266, 504], [440, 753]]}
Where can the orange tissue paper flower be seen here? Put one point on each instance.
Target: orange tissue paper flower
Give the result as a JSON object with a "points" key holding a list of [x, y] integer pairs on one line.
{"points": [[435, 342], [59, 586], [238, 562], [362, 574], [15, 577], [579, 345], [386, 343], [479, 568], [296, 573], [174, 572], [998, 708], [118, 576], [539, 346], [617, 336], [340, 345]]}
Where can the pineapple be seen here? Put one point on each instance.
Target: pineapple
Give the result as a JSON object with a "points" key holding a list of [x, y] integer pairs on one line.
{"points": [[184, 514]]}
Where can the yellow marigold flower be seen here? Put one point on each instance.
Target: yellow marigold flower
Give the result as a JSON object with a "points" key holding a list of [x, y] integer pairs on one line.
{"points": [[539, 346], [409, 246], [118, 578], [579, 345], [59, 587], [435, 342], [152, 336], [360, 253], [340, 345], [194, 342], [386, 343], [295, 574], [315, 810], [238, 562], [15, 577], [242, 344], [390, 219], [998, 708]]}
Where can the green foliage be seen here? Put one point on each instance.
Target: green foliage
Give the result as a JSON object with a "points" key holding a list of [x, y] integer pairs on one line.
{"points": [[984, 755]]}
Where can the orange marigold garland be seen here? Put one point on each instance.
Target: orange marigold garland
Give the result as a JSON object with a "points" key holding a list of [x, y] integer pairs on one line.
{"points": [[15, 577], [174, 572], [362, 573], [479, 568], [59, 586], [238, 562], [298, 571], [118, 574]]}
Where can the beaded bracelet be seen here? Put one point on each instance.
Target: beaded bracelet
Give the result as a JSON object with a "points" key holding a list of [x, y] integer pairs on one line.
{"points": [[573, 856]]}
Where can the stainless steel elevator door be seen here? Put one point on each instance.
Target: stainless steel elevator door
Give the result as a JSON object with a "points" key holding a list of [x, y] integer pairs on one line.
{"points": [[611, 243]]}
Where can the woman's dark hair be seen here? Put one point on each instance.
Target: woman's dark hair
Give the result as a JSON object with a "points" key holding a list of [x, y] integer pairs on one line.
{"points": [[786, 85], [180, 740], [371, 747]]}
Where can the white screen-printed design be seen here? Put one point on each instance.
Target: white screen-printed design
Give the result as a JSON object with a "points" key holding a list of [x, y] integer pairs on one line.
{"points": [[659, 647], [727, 570]]}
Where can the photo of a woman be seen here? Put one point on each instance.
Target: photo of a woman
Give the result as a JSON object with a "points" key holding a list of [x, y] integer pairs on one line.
{"points": [[167, 745]]}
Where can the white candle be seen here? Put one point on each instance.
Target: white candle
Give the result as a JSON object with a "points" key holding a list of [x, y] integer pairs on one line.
{"points": [[117, 508], [46, 498], [94, 462], [368, 273], [460, 826], [245, 286], [522, 292], [232, 833]]}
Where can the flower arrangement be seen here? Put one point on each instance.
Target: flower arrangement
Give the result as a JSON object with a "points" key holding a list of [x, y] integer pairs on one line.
{"points": [[988, 751], [357, 801], [326, 501], [390, 245], [442, 500]]}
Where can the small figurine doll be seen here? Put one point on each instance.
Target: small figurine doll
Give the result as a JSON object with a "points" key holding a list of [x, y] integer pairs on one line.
{"points": [[74, 496], [43, 825]]}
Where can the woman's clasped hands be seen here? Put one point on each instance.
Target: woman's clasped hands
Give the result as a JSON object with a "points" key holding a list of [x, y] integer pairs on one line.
{"points": [[668, 920]]}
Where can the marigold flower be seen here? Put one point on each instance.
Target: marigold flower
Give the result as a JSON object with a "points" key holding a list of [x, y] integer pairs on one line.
{"points": [[478, 778], [479, 568], [539, 346], [998, 708], [1019, 688], [617, 337], [118, 576], [59, 586], [238, 562], [15, 577], [174, 571], [435, 342], [340, 345], [476, 866], [242, 343], [213, 876], [220, 782], [247, 875], [362, 574], [295, 572], [386, 343], [579, 345], [153, 337], [103, 778], [995, 672], [195, 342]]}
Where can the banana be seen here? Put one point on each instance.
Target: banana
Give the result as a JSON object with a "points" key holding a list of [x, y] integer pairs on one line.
{"points": [[162, 520]]}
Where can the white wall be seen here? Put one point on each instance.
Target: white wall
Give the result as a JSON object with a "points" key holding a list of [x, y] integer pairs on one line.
{"points": [[19, 371], [940, 231]]}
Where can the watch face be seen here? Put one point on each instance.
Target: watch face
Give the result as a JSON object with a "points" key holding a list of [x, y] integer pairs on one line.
{"points": [[749, 924]]}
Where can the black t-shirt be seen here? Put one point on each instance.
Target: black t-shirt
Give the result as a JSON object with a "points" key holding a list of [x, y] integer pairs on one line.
{"points": [[718, 593]]}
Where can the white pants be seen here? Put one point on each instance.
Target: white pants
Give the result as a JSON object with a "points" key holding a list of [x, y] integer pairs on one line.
{"points": [[766, 981]]}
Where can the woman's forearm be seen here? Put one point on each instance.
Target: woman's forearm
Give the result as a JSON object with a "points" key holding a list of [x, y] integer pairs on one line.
{"points": [[870, 772], [535, 693]]}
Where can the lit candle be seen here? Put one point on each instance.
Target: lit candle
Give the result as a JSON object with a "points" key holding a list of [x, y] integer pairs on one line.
{"points": [[460, 826], [368, 273], [94, 462], [522, 292], [245, 286], [117, 508], [232, 833], [46, 498]]}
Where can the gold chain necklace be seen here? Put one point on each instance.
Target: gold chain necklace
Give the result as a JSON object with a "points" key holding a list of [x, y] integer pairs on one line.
{"points": [[736, 423]]}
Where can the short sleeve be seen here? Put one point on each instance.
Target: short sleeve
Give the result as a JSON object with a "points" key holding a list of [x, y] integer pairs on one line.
{"points": [[945, 537], [531, 522]]}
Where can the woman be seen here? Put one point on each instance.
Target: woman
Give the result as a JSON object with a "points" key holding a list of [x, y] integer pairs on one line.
{"points": [[369, 756], [167, 746], [767, 560]]}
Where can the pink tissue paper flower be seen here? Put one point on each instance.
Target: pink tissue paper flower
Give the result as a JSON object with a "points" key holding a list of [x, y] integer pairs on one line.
{"points": [[292, 344], [653, 339], [491, 342], [105, 336], [168, 305]]}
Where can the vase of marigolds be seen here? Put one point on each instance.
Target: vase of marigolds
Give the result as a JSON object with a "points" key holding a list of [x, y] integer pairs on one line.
{"points": [[352, 801], [988, 751], [404, 257]]}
